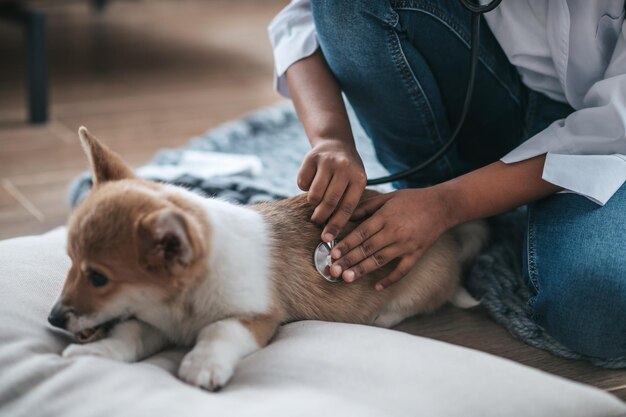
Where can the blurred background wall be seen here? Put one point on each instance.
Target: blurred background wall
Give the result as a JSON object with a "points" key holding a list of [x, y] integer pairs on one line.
{"points": [[140, 74]]}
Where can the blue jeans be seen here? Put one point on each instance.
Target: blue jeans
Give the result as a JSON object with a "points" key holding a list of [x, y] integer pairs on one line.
{"points": [[403, 66]]}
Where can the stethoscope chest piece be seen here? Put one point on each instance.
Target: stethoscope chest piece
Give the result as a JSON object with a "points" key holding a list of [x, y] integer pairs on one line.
{"points": [[323, 261]]}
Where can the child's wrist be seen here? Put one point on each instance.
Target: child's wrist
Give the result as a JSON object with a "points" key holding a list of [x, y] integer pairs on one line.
{"points": [[453, 203]]}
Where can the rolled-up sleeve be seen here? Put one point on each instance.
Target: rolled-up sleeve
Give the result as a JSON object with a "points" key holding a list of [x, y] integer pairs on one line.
{"points": [[292, 35], [586, 151]]}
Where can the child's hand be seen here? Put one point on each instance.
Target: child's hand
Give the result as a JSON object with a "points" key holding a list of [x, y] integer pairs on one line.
{"points": [[400, 225], [333, 174]]}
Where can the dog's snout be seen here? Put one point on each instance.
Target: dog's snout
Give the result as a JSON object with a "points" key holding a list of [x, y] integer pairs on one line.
{"points": [[58, 316]]}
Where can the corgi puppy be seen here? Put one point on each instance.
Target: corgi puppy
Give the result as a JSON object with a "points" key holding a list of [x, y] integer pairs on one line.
{"points": [[154, 265]]}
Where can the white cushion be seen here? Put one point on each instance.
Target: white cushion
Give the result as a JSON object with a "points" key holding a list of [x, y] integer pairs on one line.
{"points": [[311, 369]]}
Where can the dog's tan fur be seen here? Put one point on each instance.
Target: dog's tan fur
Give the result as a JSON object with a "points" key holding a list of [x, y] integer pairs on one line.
{"points": [[302, 294], [119, 230]]}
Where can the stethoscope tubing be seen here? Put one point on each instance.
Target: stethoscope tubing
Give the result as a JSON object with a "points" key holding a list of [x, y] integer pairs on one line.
{"points": [[477, 11]]}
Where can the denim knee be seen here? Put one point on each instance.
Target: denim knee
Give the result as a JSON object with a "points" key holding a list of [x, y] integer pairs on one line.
{"points": [[388, 83], [352, 34], [577, 269]]}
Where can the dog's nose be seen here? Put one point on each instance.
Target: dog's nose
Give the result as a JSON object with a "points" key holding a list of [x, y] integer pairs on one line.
{"points": [[58, 316]]}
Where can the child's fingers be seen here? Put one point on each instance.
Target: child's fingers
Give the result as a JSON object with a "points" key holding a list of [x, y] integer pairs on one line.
{"points": [[318, 187], [369, 207], [305, 175], [403, 268], [330, 201], [343, 213]]}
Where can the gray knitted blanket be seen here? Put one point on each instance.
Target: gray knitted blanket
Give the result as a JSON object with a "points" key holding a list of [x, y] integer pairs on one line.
{"points": [[275, 136]]}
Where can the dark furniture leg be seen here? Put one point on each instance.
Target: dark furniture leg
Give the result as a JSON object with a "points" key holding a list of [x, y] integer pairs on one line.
{"points": [[34, 23], [37, 67], [99, 5]]}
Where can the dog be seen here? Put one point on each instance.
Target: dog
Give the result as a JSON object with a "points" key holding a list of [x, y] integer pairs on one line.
{"points": [[155, 265]]}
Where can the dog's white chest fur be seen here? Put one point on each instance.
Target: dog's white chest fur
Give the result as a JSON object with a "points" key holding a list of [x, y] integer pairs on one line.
{"points": [[237, 283], [239, 262]]}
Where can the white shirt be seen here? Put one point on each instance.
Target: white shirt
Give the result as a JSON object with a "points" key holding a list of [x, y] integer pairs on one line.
{"points": [[571, 50]]}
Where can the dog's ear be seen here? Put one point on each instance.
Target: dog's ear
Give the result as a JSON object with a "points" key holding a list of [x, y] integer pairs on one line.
{"points": [[165, 239], [106, 165]]}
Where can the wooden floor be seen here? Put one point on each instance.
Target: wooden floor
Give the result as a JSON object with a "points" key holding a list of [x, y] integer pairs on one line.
{"points": [[143, 75], [150, 74]]}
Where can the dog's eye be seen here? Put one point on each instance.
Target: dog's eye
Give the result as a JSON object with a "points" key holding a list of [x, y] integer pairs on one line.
{"points": [[97, 279]]}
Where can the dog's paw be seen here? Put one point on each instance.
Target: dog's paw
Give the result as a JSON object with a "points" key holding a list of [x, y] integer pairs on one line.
{"points": [[205, 371], [102, 350]]}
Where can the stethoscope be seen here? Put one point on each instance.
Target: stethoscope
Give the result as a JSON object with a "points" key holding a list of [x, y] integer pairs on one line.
{"points": [[321, 254]]}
